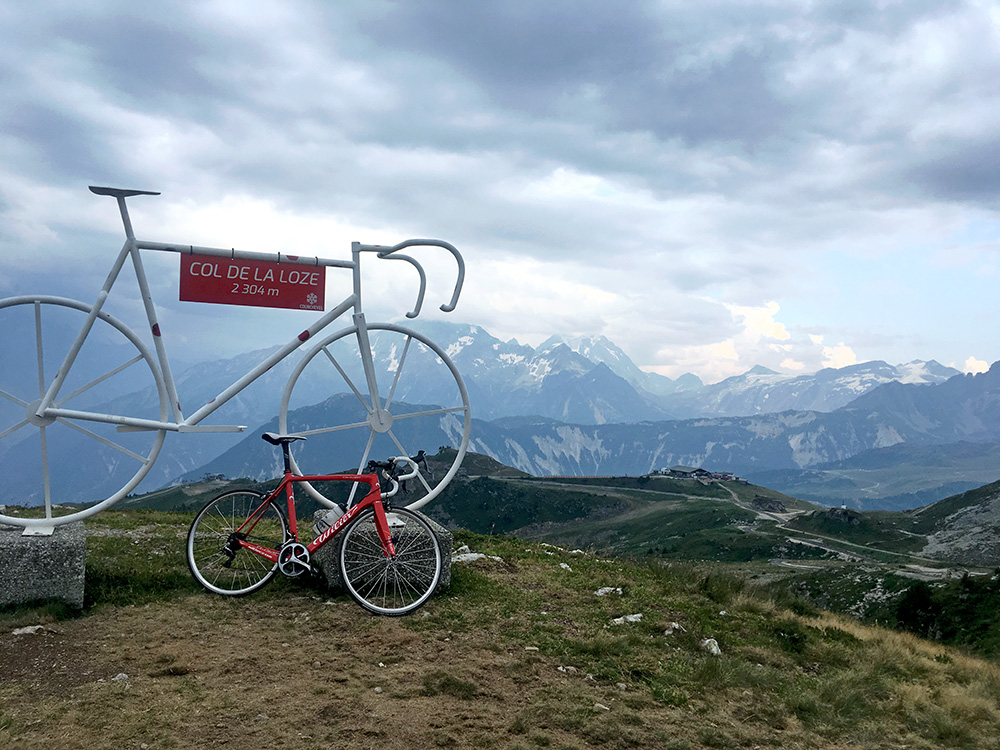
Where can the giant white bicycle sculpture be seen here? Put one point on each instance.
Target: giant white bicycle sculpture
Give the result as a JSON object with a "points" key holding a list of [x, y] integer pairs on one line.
{"points": [[83, 373]]}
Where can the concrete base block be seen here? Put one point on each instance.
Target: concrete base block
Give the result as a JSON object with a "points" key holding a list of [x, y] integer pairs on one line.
{"points": [[327, 557], [37, 568]]}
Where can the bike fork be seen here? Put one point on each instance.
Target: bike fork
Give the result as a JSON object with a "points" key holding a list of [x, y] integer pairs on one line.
{"points": [[384, 532]]}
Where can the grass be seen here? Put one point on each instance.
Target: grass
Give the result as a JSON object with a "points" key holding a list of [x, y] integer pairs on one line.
{"points": [[684, 529], [664, 485], [519, 652], [813, 673], [628, 516], [878, 529]]}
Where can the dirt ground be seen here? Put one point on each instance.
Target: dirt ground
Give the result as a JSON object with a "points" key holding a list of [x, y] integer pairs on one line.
{"points": [[300, 671]]}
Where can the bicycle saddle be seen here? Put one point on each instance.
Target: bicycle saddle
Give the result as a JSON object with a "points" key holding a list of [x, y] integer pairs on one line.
{"points": [[275, 439], [118, 192]]}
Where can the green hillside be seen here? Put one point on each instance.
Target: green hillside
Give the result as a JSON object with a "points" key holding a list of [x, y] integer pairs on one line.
{"points": [[927, 519], [655, 516], [648, 516], [880, 530]]}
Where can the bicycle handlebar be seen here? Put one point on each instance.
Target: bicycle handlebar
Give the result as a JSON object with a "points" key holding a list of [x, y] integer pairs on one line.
{"points": [[423, 283], [392, 464], [388, 252], [388, 469]]}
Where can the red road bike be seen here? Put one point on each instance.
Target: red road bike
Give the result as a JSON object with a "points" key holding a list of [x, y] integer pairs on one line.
{"points": [[389, 558]]}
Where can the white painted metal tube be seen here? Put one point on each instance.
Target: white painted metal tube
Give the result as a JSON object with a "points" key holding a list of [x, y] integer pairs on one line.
{"points": [[385, 252], [154, 325], [90, 416], [270, 362], [218, 252]]}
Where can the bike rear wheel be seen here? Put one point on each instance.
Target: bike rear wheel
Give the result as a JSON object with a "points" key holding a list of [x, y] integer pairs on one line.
{"points": [[115, 376], [390, 586], [214, 555]]}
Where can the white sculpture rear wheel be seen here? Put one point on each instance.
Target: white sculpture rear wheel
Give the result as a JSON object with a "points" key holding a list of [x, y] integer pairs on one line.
{"points": [[114, 373]]}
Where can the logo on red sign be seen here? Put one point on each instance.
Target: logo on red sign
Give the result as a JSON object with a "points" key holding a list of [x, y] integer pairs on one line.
{"points": [[256, 283]]}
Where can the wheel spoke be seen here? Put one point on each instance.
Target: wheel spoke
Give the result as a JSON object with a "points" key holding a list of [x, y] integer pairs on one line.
{"points": [[350, 383], [38, 349], [399, 371], [405, 452], [361, 468], [395, 440], [100, 439], [101, 379], [46, 484], [402, 582], [15, 428], [424, 482], [336, 428], [428, 412], [12, 397]]}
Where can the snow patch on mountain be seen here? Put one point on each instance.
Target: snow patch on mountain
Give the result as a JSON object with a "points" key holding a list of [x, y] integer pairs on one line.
{"points": [[923, 373], [539, 369], [452, 427], [393, 359], [861, 383], [458, 345]]}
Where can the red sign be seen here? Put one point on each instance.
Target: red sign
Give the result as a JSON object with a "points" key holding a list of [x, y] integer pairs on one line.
{"points": [[252, 282]]}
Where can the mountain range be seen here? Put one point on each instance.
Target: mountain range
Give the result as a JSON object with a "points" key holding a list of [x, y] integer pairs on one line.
{"points": [[592, 381], [581, 406]]}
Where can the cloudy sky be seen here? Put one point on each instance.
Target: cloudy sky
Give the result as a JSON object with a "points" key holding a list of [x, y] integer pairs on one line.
{"points": [[711, 185]]}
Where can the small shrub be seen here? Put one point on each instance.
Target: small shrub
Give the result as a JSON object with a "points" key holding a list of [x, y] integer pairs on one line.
{"points": [[792, 636], [721, 588]]}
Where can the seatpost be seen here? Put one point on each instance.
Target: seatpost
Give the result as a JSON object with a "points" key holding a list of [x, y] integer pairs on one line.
{"points": [[287, 456], [125, 219]]}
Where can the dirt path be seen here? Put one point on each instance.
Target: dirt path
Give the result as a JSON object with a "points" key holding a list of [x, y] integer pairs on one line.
{"points": [[291, 672]]}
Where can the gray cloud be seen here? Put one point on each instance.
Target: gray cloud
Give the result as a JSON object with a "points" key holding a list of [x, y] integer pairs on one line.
{"points": [[677, 157], [962, 171]]}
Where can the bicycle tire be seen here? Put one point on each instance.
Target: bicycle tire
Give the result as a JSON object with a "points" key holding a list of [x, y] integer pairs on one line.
{"points": [[396, 586], [224, 568], [404, 423], [110, 377]]}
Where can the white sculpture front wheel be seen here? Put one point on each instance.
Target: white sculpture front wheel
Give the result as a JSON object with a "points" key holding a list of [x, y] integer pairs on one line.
{"points": [[114, 375], [421, 404]]}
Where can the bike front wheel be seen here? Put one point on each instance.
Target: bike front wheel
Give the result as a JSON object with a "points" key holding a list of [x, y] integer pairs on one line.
{"points": [[395, 585], [413, 398], [214, 554]]}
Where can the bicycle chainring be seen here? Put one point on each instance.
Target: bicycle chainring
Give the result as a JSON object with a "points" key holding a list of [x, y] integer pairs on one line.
{"points": [[293, 559]]}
